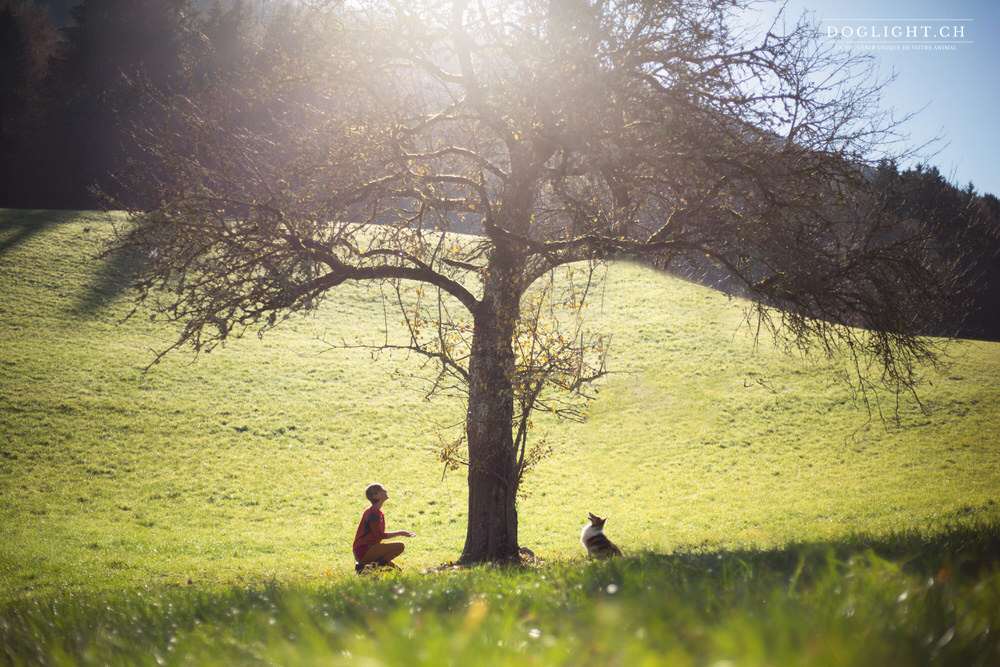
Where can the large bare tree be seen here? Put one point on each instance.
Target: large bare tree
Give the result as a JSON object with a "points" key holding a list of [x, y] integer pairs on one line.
{"points": [[350, 142]]}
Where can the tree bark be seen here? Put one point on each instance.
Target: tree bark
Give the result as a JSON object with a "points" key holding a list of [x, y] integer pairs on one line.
{"points": [[492, 526]]}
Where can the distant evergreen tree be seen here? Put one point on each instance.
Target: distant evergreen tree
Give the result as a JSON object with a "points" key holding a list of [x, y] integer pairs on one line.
{"points": [[68, 97], [106, 44], [966, 230], [28, 38]]}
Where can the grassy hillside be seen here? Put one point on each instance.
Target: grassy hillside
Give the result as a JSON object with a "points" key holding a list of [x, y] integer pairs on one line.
{"points": [[248, 464]]}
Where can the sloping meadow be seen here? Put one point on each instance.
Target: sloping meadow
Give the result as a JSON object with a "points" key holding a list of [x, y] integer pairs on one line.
{"points": [[252, 460]]}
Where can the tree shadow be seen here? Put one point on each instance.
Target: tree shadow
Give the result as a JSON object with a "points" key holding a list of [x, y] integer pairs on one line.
{"points": [[111, 279], [112, 271], [20, 225], [969, 546]]}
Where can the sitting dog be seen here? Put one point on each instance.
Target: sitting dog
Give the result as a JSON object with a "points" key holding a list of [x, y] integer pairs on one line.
{"points": [[594, 540]]}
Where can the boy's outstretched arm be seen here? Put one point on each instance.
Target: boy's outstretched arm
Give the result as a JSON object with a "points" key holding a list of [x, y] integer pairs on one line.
{"points": [[400, 533]]}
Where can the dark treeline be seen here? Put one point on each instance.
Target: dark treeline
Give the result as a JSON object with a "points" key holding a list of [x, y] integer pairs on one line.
{"points": [[967, 231], [70, 95]]}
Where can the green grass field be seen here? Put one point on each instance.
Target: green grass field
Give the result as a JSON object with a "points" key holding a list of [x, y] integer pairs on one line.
{"points": [[216, 497]]}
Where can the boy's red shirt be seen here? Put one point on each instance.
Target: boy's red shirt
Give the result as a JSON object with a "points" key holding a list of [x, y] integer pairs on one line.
{"points": [[370, 531]]}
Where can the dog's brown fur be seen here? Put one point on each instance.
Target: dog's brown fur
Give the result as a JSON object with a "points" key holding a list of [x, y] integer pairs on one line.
{"points": [[595, 541]]}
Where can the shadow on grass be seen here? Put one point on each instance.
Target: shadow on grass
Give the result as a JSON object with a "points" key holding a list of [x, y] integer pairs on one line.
{"points": [[18, 226], [909, 598], [111, 279], [112, 271], [966, 549]]}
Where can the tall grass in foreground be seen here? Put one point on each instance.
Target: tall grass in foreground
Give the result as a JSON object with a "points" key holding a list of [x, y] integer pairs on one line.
{"points": [[899, 600]]}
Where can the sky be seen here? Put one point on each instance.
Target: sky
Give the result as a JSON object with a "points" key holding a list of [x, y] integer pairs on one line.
{"points": [[955, 88]]}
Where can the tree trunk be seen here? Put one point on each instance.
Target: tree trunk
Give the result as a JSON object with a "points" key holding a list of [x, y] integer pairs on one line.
{"points": [[492, 527]]}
